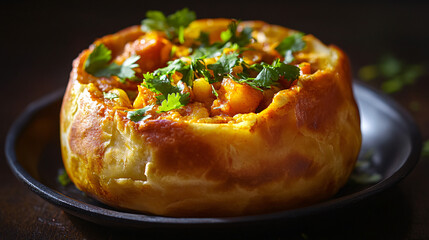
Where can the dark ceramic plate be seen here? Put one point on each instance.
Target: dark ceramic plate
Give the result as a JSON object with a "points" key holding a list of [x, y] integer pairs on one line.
{"points": [[390, 150]]}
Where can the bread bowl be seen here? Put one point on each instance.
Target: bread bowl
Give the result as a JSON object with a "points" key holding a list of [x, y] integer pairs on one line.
{"points": [[233, 146]]}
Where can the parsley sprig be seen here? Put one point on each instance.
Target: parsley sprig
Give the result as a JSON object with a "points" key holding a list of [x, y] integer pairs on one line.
{"points": [[173, 25], [97, 64]]}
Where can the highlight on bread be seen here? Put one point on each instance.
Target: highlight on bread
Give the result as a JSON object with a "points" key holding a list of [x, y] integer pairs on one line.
{"points": [[212, 117]]}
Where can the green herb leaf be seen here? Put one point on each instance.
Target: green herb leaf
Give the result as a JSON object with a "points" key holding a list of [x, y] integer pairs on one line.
{"points": [[160, 84], [211, 51], [110, 95], [223, 66], [63, 178], [199, 68], [97, 64], [230, 35], [290, 45], [139, 114], [174, 101], [155, 21], [173, 25], [272, 73], [173, 66], [126, 69], [98, 59], [230, 38]]}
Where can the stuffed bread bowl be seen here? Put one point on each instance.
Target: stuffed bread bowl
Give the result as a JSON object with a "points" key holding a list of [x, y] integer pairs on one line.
{"points": [[210, 118]]}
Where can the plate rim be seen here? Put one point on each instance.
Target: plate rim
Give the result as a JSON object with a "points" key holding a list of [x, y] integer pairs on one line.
{"points": [[105, 216]]}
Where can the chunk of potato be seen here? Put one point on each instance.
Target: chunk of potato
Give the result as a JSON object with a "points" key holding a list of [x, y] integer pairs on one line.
{"points": [[236, 98], [203, 91]]}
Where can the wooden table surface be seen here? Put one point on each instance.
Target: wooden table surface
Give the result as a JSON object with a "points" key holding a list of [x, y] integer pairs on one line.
{"points": [[40, 40]]}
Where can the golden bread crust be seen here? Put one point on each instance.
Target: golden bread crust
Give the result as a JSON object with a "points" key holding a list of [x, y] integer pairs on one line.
{"points": [[299, 150]]}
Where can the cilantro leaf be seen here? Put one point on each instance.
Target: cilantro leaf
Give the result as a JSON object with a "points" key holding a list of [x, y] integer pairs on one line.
{"points": [[211, 51], [289, 72], [172, 66], [97, 64], [126, 69], [98, 59], [110, 95], [174, 101], [266, 77], [139, 114], [241, 39], [160, 84], [173, 25], [199, 67], [289, 45], [229, 37], [180, 66], [224, 66], [155, 20], [269, 74]]}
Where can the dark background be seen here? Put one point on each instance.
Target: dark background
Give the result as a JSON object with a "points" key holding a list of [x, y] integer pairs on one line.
{"points": [[40, 39]]}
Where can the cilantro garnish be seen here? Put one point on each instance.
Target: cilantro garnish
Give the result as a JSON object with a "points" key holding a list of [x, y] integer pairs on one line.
{"points": [[139, 114], [272, 73], [289, 45], [223, 66], [230, 38], [171, 96], [174, 101], [230, 35], [162, 84], [97, 64], [173, 25], [268, 74]]}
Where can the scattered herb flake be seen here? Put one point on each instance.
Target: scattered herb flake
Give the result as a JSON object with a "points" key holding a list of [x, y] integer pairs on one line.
{"points": [[214, 91], [139, 114]]}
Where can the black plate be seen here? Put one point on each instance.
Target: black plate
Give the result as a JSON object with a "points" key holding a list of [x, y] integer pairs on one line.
{"points": [[391, 142]]}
